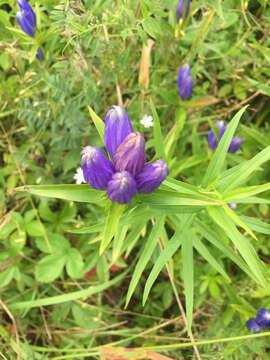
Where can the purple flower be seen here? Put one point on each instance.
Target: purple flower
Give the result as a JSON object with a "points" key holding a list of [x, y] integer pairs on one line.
{"points": [[122, 187], [180, 9], [213, 143], [253, 326], [151, 176], [40, 55], [26, 18], [128, 174], [130, 154], [185, 82], [117, 128], [232, 206], [97, 169], [263, 317]]}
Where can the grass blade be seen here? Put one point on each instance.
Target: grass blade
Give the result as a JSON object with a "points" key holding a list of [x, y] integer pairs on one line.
{"points": [[145, 255], [158, 140]]}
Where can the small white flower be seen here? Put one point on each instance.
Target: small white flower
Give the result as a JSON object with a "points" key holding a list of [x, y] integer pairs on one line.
{"points": [[79, 176], [147, 121]]}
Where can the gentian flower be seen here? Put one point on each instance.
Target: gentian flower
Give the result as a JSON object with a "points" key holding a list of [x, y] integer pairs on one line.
{"points": [[185, 82], [180, 9], [232, 206], [212, 141], [263, 317], [253, 326], [127, 174], [26, 18]]}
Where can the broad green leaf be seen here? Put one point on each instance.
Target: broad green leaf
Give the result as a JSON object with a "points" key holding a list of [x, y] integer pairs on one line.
{"points": [[58, 244], [245, 192], [235, 176], [50, 267], [34, 228], [71, 296], [74, 263], [256, 224], [205, 253], [99, 123], [145, 255], [241, 242], [216, 164], [167, 253], [115, 212], [82, 193], [188, 278], [158, 141]]}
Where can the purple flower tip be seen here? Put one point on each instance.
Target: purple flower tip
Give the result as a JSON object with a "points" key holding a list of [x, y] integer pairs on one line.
{"points": [[253, 326], [263, 317], [130, 155], [26, 18], [185, 82], [117, 128], [122, 187], [232, 206], [180, 9], [235, 144], [151, 176], [40, 55], [97, 169]]}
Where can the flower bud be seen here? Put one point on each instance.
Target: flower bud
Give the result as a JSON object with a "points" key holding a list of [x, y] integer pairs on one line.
{"points": [[180, 9], [39, 54], [122, 187], [263, 317], [212, 141], [253, 326], [151, 176], [26, 18], [117, 128], [130, 155], [97, 169], [235, 144], [185, 82]]}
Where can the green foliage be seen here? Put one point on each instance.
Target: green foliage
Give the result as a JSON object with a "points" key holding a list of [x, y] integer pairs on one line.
{"points": [[70, 261]]}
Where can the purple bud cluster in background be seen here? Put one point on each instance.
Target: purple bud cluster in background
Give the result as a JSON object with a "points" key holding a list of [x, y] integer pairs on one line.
{"points": [[213, 142], [184, 82], [127, 173], [180, 9], [26, 18], [262, 319]]}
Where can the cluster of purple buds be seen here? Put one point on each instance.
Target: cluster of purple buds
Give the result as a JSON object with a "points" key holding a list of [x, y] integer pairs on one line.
{"points": [[26, 18], [127, 174], [212, 141], [180, 9], [184, 82], [262, 319]]}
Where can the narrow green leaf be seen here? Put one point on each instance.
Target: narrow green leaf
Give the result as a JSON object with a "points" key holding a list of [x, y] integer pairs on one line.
{"points": [[158, 140], [180, 186], [115, 212], [245, 192], [99, 123], [53, 300], [256, 224], [145, 255], [118, 243], [236, 219], [167, 253], [82, 193], [188, 278], [133, 237], [216, 164], [235, 176], [199, 246], [213, 236], [241, 242]]}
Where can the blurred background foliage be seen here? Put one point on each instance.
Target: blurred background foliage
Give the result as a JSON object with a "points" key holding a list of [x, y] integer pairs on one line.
{"points": [[93, 52]]}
